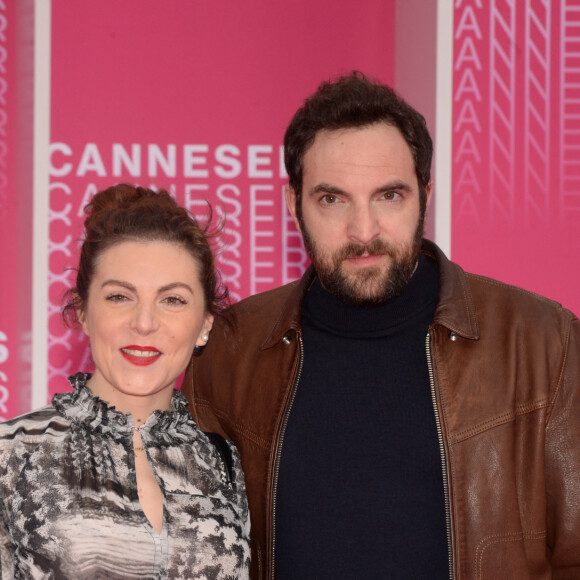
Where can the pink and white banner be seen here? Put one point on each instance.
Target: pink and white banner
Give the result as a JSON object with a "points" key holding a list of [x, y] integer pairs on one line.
{"points": [[516, 143], [16, 81], [195, 97], [8, 261]]}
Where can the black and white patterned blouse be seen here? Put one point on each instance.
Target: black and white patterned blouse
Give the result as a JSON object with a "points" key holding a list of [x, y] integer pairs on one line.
{"points": [[69, 503]]}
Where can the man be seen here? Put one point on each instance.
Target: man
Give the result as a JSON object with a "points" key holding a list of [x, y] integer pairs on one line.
{"points": [[397, 417]]}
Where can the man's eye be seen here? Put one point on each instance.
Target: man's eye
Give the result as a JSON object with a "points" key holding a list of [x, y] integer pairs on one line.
{"points": [[329, 198], [391, 195]]}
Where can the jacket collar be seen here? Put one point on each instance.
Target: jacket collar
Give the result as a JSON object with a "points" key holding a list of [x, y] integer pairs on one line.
{"points": [[291, 315], [455, 309]]}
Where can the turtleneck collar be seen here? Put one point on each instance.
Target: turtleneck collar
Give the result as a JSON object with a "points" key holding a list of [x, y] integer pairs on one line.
{"points": [[324, 310]]}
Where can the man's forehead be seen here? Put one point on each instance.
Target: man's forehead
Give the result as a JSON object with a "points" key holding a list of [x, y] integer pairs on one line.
{"points": [[379, 146], [338, 132]]}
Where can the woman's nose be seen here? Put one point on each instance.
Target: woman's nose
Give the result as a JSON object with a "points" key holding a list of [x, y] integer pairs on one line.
{"points": [[144, 319]]}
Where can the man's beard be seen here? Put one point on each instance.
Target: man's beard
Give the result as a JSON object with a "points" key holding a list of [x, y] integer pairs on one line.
{"points": [[372, 285]]}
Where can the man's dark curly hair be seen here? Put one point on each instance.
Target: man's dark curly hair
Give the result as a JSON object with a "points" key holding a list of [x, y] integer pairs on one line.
{"points": [[355, 101]]}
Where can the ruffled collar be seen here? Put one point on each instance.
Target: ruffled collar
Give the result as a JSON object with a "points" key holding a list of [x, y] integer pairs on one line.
{"points": [[81, 407]]}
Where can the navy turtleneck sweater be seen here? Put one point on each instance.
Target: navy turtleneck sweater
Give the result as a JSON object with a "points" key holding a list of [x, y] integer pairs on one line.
{"points": [[360, 489]]}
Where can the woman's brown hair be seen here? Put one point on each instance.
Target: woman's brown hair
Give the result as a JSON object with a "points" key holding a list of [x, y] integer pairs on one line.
{"points": [[125, 212]]}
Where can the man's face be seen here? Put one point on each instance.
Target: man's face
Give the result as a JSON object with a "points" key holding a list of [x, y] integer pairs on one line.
{"points": [[361, 218]]}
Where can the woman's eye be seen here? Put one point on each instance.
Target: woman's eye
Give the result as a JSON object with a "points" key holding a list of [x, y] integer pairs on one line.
{"points": [[116, 298], [175, 300]]}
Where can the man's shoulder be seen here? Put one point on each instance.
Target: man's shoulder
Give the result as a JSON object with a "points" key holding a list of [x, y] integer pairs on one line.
{"points": [[473, 303], [486, 285], [270, 300], [255, 318], [516, 300]]}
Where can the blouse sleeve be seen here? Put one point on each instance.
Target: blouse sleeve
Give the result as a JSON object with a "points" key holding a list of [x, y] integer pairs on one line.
{"points": [[6, 566], [6, 570], [240, 487]]}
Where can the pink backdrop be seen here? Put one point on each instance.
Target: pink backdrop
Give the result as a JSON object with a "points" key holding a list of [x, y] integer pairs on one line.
{"points": [[16, 83], [516, 152], [8, 261], [193, 97]]}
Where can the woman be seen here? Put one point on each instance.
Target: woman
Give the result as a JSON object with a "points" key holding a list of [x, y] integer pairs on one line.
{"points": [[114, 480]]}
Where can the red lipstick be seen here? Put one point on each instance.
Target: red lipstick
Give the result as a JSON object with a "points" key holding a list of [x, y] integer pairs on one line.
{"points": [[140, 355]]}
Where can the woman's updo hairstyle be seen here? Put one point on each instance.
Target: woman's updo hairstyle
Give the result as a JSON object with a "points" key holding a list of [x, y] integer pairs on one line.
{"points": [[124, 212]]}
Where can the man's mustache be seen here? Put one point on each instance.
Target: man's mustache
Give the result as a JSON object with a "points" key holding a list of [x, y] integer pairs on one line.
{"points": [[375, 248]]}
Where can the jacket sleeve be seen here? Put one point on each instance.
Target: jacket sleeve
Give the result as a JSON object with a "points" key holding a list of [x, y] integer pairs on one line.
{"points": [[202, 382], [562, 455]]}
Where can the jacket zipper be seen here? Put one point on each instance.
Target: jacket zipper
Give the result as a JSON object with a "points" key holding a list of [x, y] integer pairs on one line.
{"points": [[441, 448], [279, 449], [443, 457]]}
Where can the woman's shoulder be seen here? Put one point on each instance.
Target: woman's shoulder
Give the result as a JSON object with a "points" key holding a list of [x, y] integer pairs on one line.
{"points": [[32, 427]]}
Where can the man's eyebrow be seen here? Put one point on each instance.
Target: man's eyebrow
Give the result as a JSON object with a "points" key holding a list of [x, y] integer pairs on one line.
{"points": [[397, 184], [326, 188], [389, 186]]}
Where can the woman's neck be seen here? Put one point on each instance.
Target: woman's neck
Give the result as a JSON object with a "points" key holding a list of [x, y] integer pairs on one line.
{"points": [[139, 407]]}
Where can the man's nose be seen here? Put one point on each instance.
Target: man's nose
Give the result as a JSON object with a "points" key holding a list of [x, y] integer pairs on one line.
{"points": [[363, 225]]}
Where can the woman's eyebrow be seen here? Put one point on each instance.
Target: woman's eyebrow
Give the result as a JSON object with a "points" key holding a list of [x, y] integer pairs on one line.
{"points": [[175, 285]]}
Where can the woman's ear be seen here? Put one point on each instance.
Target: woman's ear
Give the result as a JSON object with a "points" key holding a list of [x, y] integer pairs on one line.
{"points": [[205, 330], [80, 313]]}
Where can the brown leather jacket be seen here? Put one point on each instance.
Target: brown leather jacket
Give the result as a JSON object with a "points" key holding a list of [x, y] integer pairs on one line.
{"points": [[505, 368]]}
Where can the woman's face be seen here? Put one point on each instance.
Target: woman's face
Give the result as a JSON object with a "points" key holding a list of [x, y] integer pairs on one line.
{"points": [[144, 314]]}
